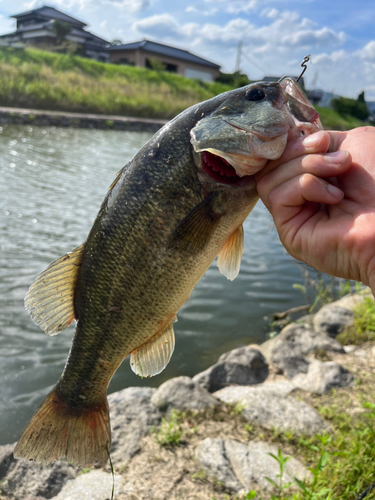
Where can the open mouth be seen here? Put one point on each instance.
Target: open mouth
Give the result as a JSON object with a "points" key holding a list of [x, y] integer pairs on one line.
{"points": [[219, 169]]}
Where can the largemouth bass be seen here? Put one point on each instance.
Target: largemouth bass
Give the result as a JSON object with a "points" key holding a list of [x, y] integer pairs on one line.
{"points": [[178, 204]]}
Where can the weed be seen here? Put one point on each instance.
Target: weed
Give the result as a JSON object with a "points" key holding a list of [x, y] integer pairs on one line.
{"points": [[281, 485], [169, 432], [363, 329]]}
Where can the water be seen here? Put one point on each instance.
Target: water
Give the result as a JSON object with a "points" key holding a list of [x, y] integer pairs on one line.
{"points": [[52, 184]]}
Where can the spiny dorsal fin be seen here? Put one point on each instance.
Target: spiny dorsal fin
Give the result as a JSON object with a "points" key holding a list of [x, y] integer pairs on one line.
{"points": [[50, 299], [151, 358], [195, 230], [229, 259]]}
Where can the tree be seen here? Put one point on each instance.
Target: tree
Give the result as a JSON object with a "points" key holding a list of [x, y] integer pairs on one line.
{"points": [[236, 79], [116, 41], [352, 107], [61, 30]]}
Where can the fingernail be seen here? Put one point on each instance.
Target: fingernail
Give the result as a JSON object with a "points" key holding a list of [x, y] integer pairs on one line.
{"points": [[336, 157], [313, 140], [334, 191]]}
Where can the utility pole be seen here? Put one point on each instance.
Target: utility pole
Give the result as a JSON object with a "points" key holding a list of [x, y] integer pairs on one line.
{"points": [[238, 61]]}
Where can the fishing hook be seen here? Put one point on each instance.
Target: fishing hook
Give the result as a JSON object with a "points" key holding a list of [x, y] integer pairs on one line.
{"points": [[303, 65]]}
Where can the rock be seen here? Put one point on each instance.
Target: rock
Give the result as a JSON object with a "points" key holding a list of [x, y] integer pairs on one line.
{"points": [[296, 340], [20, 479], [333, 319], [243, 366], [288, 350], [306, 320], [351, 301], [132, 416], [180, 393], [94, 485], [253, 463], [323, 377], [291, 365], [211, 456], [244, 467], [280, 386], [274, 410]]}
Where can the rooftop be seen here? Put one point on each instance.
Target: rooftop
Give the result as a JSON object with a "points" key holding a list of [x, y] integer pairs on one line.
{"points": [[165, 50], [50, 13]]}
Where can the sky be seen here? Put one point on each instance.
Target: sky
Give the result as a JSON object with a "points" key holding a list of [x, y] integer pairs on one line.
{"points": [[276, 34]]}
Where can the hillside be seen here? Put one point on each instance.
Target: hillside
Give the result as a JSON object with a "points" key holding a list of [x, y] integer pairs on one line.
{"points": [[44, 80]]}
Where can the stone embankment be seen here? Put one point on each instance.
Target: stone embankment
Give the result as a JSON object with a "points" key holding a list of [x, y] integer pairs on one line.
{"points": [[21, 116], [268, 388]]}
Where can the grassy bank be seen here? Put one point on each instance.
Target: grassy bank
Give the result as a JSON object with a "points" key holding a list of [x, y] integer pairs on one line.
{"points": [[44, 80]]}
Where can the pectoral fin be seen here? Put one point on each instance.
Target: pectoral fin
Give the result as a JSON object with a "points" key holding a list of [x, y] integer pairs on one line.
{"points": [[195, 230], [151, 358], [50, 299], [229, 259]]}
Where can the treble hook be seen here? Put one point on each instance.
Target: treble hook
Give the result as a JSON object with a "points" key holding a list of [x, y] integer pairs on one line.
{"points": [[303, 65]]}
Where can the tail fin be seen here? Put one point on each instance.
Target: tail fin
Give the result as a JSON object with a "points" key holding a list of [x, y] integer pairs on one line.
{"points": [[80, 436]]}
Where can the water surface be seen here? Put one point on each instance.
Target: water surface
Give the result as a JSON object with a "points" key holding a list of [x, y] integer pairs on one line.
{"points": [[52, 184]]}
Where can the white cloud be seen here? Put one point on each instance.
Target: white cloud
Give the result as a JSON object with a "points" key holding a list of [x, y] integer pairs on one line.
{"points": [[201, 11], [270, 13], [368, 51], [159, 25], [237, 6], [317, 38], [130, 5]]}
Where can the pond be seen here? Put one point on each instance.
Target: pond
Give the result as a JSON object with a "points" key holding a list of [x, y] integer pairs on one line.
{"points": [[52, 184]]}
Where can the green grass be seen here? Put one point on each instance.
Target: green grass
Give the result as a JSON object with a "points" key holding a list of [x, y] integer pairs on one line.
{"points": [[45, 80], [363, 329], [331, 120]]}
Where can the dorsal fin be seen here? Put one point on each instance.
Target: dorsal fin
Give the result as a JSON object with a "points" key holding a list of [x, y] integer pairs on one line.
{"points": [[229, 259], [152, 357], [50, 299]]}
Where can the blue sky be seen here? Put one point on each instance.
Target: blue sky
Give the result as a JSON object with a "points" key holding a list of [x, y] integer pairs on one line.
{"points": [[276, 34]]}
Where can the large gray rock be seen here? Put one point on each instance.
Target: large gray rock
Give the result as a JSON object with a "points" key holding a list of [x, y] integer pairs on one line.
{"points": [[323, 377], [132, 416], [289, 349], [244, 467], [332, 319], [211, 455], [274, 410], [20, 479], [94, 485], [242, 366], [180, 393], [351, 301], [297, 340]]}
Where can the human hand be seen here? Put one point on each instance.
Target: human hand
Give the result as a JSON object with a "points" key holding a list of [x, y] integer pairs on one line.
{"points": [[323, 204]]}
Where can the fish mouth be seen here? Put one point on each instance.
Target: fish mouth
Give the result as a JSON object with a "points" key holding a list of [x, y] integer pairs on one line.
{"points": [[221, 171]]}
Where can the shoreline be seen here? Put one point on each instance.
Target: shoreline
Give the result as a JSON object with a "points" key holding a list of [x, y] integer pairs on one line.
{"points": [[28, 116]]}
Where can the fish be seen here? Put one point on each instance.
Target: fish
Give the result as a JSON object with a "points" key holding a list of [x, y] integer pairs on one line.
{"points": [[177, 205]]}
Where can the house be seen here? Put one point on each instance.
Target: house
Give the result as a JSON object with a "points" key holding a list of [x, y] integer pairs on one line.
{"points": [[182, 62], [35, 27]]}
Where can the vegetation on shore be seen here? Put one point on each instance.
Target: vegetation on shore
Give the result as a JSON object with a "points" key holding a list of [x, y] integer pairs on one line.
{"points": [[341, 463], [45, 80]]}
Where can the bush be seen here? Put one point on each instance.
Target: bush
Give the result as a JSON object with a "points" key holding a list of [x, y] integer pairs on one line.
{"points": [[353, 107]]}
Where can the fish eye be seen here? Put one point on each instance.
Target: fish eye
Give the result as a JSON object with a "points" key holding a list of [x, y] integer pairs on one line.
{"points": [[255, 94]]}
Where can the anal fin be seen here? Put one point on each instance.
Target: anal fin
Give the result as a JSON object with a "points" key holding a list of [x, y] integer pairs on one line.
{"points": [[50, 299], [229, 259], [152, 357]]}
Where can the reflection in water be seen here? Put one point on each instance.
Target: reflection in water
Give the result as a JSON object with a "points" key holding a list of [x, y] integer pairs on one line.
{"points": [[52, 184]]}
